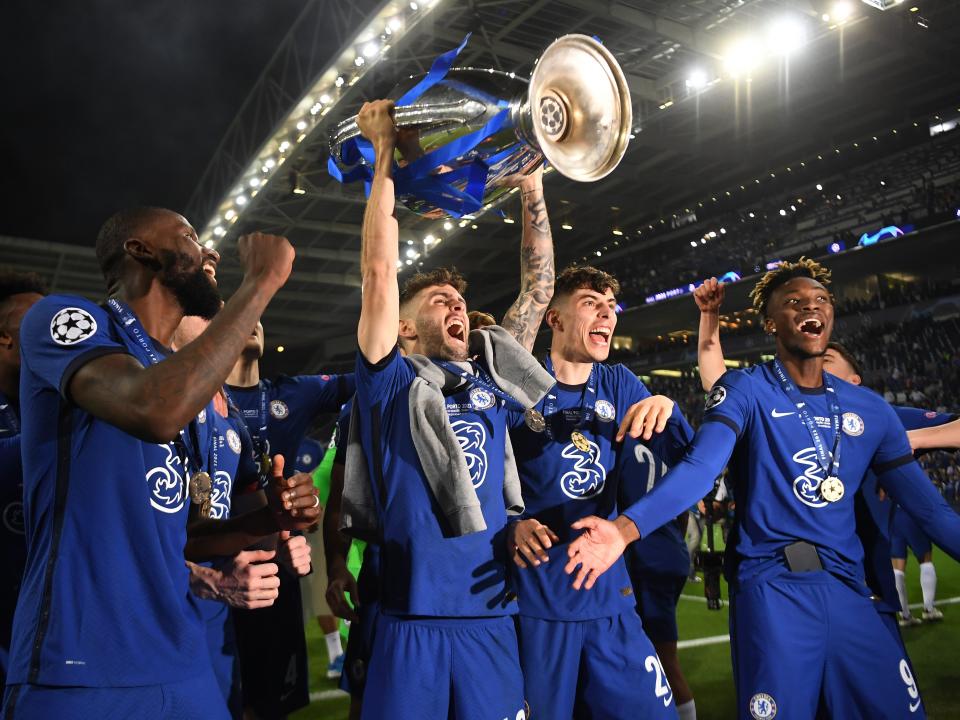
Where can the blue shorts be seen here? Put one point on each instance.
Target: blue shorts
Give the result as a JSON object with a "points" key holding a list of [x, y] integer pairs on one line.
{"points": [[657, 598], [224, 656], [905, 532], [603, 669], [197, 697], [444, 668], [807, 642]]}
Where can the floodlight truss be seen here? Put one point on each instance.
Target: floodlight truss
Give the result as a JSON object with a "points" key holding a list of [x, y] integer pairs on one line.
{"points": [[292, 100]]}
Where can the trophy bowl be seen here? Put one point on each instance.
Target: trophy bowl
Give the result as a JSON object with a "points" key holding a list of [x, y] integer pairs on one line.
{"points": [[466, 132]]}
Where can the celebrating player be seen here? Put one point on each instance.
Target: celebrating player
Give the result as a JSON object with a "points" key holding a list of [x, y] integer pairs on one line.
{"points": [[18, 293], [278, 413], [575, 648], [800, 608], [436, 475], [112, 460]]}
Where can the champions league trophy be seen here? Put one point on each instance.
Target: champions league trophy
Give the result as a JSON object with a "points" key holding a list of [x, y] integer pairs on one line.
{"points": [[463, 130]]}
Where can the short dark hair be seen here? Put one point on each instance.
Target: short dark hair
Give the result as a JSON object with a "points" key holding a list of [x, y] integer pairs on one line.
{"points": [[120, 227], [14, 283], [438, 276], [846, 355], [578, 277], [479, 319], [783, 273]]}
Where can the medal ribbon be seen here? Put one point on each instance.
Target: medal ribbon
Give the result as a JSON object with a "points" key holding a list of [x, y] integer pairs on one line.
{"points": [[827, 462], [481, 380], [9, 416], [188, 445], [588, 401]]}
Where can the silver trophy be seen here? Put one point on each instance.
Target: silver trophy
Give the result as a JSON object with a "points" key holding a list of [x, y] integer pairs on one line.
{"points": [[574, 111]]}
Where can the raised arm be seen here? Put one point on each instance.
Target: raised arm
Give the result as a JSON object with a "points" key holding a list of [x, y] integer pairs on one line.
{"points": [[523, 318], [154, 403], [380, 306], [942, 437], [709, 297]]}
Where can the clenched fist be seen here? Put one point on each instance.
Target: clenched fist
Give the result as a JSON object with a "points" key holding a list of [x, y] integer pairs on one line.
{"points": [[375, 121], [266, 258], [709, 296]]}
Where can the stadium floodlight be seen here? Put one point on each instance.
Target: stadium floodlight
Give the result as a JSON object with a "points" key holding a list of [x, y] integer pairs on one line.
{"points": [[785, 36], [693, 243], [567, 226], [241, 200], [742, 57], [306, 116], [819, 186], [697, 79], [841, 12]]}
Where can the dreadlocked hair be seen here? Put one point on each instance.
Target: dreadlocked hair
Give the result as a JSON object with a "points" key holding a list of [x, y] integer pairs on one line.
{"points": [[784, 272]]}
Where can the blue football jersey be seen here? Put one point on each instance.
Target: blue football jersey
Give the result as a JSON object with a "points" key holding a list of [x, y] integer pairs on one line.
{"points": [[14, 548], [776, 473], [105, 600], [562, 484], [231, 455], [424, 570], [286, 407], [309, 455], [664, 551]]}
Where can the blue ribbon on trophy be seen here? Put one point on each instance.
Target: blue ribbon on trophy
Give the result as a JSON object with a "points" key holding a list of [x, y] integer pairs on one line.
{"points": [[482, 125]]}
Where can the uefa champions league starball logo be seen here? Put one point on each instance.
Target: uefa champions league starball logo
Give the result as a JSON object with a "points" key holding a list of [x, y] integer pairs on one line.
{"points": [[72, 325]]}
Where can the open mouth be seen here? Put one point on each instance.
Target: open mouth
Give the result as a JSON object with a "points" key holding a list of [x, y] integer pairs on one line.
{"points": [[600, 336], [811, 327], [210, 270], [456, 330]]}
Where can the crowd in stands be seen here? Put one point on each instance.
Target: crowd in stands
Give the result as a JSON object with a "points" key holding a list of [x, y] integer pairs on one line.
{"points": [[920, 185]]}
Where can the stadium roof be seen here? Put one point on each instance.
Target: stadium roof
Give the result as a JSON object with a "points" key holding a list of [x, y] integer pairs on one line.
{"points": [[699, 133]]}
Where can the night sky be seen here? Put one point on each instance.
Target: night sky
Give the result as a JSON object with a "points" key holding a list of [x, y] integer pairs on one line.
{"points": [[112, 103]]}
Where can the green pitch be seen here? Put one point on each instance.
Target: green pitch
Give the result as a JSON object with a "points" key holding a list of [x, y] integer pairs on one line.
{"points": [[933, 648]]}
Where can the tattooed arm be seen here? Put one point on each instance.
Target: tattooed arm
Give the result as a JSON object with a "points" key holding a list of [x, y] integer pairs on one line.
{"points": [[523, 318]]}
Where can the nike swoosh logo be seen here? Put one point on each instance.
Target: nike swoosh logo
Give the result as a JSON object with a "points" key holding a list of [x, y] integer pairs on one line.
{"points": [[914, 707], [778, 414]]}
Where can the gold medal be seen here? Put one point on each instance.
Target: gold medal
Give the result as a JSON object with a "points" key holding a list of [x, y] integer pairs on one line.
{"points": [[535, 420], [200, 487], [832, 489], [580, 441], [201, 490]]}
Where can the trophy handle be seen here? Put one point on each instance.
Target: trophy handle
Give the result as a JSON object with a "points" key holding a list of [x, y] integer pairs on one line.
{"points": [[462, 111]]}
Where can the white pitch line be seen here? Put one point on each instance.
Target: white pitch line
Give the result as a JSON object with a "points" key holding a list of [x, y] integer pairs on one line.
{"points": [[700, 642], [327, 695], [946, 601], [717, 639]]}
